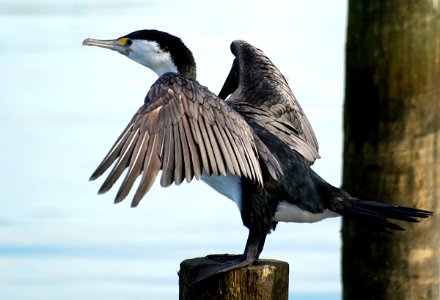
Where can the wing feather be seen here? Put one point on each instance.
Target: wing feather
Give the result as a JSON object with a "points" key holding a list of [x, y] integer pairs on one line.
{"points": [[185, 152], [224, 150], [151, 168], [168, 158], [195, 160], [216, 150], [235, 167], [201, 145], [120, 166], [208, 147], [243, 167], [136, 161], [113, 153], [178, 163]]}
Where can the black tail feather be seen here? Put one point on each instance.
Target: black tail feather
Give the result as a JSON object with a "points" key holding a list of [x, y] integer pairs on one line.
{"points": [[376, 213]]}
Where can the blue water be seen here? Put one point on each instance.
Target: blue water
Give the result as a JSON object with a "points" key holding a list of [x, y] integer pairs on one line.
{"points": [[62, 106]]}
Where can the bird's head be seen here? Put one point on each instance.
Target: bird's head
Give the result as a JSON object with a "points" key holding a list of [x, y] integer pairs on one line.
{"points": [[157, 50]]}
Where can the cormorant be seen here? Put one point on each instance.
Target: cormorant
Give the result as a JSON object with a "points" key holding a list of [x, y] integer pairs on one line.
{"points": [[251, 143]]}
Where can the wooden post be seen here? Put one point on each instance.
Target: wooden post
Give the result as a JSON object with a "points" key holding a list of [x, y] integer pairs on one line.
{"points": [[265, 279], [392, 146]]}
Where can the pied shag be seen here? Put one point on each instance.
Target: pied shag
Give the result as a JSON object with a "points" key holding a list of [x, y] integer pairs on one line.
{"points": [[251, 143]]}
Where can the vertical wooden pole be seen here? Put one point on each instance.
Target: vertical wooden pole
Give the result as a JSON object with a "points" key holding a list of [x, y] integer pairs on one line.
{"points": [[392, 145], [264, 280]]}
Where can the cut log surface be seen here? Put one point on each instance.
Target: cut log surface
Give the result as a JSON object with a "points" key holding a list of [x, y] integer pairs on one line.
{"points": [[266, 279]]}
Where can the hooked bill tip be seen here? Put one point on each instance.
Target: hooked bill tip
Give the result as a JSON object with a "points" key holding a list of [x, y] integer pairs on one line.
{"points": [[86, 42]]}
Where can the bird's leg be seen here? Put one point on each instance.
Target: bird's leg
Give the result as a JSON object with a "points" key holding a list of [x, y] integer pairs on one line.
{"points": [[254, 245], [261, 245], [225, 263]]}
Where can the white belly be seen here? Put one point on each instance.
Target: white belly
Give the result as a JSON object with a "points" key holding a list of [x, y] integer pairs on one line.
{"points": [[287, 212]]}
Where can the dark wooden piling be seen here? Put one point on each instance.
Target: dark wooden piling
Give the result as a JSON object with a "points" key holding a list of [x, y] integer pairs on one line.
{"points": [[392, 146], [265, 279]]}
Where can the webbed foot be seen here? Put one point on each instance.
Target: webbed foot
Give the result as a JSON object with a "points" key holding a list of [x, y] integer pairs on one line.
{"points": [[217, 264]]}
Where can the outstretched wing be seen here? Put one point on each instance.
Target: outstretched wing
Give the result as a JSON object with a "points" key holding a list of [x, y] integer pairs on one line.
{"points": [[268, 100], [184, 130]]}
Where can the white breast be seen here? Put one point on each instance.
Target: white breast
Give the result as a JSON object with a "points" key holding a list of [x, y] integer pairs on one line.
{"points": [[229, 186], [287, 212]]}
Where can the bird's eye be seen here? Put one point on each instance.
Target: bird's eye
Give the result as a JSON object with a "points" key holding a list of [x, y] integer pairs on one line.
{"points": [[128, 42]]}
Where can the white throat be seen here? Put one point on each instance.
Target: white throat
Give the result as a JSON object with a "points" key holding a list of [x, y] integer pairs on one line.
{"points": [[149, 54]]}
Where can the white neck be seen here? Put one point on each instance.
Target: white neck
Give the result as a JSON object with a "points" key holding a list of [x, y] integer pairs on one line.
{"points": [[149, 54]]}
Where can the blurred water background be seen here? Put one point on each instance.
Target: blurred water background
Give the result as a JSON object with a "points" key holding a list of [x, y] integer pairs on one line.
{"points": [[62, 106]]}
